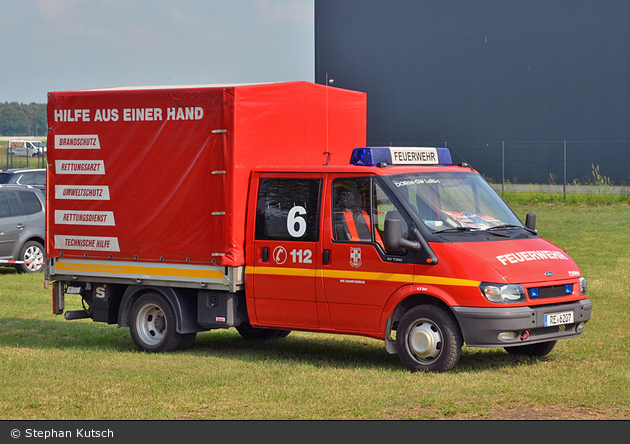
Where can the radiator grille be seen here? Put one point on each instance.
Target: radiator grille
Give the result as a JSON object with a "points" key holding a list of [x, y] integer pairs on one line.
{"points": [[551, 330], [550, 292]]}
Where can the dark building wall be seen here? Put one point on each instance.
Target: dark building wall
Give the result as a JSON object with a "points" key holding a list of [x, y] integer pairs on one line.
{"points": [[486, 77]]}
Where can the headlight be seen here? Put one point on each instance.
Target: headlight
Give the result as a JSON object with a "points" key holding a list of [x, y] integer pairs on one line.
{"points": [[583, 289], [502, 293]]}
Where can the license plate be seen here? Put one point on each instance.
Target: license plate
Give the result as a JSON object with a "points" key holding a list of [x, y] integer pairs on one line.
{"points": [[565, 317]]}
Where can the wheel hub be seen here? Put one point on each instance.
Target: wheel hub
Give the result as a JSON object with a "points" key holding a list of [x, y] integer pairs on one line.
{"points": [[151, 324], [425, 341], [35, 257]]}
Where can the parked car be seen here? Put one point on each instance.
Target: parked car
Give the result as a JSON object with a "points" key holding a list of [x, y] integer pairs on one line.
{"points": [[22, 228], [35, 177]]}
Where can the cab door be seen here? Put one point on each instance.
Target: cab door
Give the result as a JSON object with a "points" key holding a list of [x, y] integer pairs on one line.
{"points": [[359, 274], [285, 249]]}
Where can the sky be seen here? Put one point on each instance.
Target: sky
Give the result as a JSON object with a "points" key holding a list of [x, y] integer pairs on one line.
{"points": [[59, 45]]}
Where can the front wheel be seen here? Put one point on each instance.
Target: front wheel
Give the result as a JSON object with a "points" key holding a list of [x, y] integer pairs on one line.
{"points": [[153, 324], [32, 258], [428, 339], [534, 350]]}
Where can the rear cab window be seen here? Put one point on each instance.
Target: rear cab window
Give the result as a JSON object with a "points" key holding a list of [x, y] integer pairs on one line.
{"points": [[288, 209]]}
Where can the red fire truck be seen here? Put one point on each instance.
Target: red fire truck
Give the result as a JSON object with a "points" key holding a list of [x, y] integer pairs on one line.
{"points": [[178, 210]]}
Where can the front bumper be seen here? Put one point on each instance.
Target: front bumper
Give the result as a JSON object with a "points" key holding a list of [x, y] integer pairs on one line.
{"points": [[482, 326]]}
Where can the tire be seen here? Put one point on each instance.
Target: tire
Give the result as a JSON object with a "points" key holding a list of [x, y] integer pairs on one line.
{"points": [[428, 339], [153, 324], [32, 252], [260, 334], [534, 350], [186, 341], [283, 334]]}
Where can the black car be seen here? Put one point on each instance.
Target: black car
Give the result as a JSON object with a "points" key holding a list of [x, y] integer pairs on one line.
{"points": [[35, 177]]}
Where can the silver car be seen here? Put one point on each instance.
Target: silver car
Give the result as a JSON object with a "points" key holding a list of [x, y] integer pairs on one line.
{"points": [[36, 177], [22, 228]]}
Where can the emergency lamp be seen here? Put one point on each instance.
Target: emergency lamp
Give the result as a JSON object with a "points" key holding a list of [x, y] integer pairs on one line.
{"points": [[373, 156], [534, 292]]}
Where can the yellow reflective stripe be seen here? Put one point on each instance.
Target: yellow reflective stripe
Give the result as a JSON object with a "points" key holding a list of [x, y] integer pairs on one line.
{"points": [[280, 271], [140, 270], [436, 280], [362, 275]]}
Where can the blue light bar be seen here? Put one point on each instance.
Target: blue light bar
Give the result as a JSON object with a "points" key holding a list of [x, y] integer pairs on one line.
{"points": [[412, 156]]}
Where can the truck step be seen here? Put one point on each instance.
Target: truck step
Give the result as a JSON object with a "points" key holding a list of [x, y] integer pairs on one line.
{"points": [[77, 314]]}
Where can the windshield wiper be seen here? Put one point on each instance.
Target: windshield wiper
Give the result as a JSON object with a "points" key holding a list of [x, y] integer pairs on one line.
{"points": [[468, 230], [456, 230], [508, 226]]}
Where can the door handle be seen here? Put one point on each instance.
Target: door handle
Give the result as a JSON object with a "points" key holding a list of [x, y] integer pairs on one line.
{"points": [[265, 254], [20, 226], [326, 257]]}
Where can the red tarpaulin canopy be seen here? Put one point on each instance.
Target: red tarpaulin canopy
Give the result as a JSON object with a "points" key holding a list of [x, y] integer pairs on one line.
{"points": [[162, 173]]}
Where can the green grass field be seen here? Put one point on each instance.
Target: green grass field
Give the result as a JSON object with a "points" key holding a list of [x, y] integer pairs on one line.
{"points": [[58, 370]]}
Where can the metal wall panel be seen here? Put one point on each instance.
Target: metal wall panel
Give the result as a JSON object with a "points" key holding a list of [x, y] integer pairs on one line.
{"points": [[532, 74]]}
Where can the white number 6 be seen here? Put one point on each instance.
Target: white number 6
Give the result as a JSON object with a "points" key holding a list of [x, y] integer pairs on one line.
{"points": [[293, 219]]}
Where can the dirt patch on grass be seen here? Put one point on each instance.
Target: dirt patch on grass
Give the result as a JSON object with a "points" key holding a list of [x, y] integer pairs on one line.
{"points": [[516, 412]]}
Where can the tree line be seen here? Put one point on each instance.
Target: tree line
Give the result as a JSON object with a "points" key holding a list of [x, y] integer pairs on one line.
{"points": [[19, 119]]}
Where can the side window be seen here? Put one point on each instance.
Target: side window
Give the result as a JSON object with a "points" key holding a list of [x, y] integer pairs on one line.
{"points": [[360, 207], [351, 210], [40, 178], [30, 202], [4, 205], [385, 208], [27, 179], [14, 204], [287, 209]]}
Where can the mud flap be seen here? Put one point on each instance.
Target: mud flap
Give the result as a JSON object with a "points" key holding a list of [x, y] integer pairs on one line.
{"points": [[390, 343]]}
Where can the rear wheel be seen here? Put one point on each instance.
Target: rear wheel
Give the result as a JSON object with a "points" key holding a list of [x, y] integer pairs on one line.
{"points": [[153, 324], [32, 256], [428, 339], [186, 341], [534, 350], [256, 334]]}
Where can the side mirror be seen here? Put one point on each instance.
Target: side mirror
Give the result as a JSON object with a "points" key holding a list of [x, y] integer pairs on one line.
{"points": [[393, 238], [530, 221]]}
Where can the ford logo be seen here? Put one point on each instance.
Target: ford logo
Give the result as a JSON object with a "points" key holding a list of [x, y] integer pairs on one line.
{"points": [[548, 273]]}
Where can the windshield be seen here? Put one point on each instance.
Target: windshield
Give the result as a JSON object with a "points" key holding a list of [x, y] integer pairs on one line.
{"points": [[39, 144], [454, 201]]}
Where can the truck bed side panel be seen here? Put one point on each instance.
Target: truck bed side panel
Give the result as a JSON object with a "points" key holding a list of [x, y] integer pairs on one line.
{"points": [[162, 174]]}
